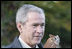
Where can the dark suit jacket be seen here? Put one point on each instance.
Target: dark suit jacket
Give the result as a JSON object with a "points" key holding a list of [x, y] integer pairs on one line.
{"points": [[16, 44]]}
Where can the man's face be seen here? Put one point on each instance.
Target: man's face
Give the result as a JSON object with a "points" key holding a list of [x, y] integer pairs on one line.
{"points": [[33, 29]]}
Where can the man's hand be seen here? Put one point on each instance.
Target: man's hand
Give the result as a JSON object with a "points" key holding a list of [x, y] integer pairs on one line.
{"points": [[52, 42]]}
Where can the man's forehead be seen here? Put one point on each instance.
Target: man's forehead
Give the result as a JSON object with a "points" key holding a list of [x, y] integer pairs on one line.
{"points": [[35, 22], [35, 15]]}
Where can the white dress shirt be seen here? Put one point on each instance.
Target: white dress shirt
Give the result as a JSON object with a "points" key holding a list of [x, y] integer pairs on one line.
{"points": [[25, 45]]}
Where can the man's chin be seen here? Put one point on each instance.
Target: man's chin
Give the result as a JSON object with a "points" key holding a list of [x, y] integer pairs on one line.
{"points": [[37, 42]]}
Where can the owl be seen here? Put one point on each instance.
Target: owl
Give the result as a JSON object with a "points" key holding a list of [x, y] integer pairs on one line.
{"points": [[52, 42]]}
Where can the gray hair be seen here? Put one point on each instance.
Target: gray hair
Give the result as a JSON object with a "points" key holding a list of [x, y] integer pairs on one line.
{"points": [[22, 12]]}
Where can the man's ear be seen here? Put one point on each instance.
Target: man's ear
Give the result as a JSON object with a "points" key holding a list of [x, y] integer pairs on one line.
{"points": [[19, 27]]}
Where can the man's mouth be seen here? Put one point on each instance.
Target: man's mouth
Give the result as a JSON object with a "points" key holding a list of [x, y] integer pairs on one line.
{"points": [[37, 36]]}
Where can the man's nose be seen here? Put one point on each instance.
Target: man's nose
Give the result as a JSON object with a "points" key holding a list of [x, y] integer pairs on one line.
{"points": [[39, 29]]}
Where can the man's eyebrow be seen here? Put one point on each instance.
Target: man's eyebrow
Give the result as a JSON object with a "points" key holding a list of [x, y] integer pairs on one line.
{"points": [[43, 24], [39, 24]]}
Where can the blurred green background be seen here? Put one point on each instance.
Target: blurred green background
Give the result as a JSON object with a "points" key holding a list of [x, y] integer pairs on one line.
{"points": [[58, 20]]}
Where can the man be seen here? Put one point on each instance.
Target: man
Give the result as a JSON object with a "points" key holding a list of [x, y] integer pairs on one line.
{"points": [[30, 21]]}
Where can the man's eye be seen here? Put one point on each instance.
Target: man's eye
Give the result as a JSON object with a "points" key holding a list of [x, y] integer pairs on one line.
{"points": [[34, 25], [42, 25]]}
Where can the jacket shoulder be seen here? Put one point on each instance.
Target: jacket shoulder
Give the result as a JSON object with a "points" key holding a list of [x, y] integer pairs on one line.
{"points": [[14, 44]]}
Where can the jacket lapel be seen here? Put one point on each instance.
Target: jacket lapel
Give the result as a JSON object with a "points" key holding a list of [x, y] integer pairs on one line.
{"points": [[17, 43]]}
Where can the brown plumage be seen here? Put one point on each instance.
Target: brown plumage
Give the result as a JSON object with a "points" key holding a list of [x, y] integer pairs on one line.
{"points": [[51, 42]]}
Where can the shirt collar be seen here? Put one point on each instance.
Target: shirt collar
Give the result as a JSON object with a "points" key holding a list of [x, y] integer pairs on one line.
{"points": [[24, 45]]}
